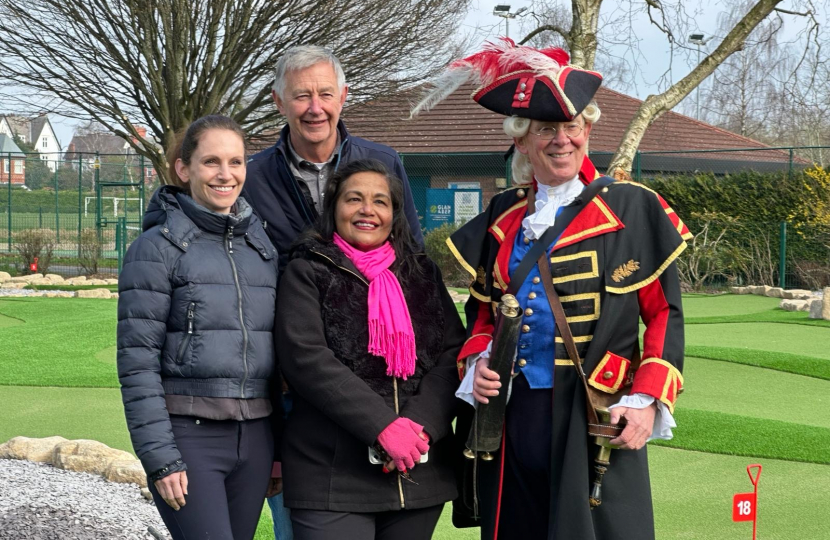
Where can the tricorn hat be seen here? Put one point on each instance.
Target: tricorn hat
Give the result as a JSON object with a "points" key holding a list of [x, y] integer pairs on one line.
{"points": [[515, 80]]}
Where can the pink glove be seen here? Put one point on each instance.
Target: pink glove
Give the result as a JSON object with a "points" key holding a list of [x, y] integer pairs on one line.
{"points": [[401, 441]]}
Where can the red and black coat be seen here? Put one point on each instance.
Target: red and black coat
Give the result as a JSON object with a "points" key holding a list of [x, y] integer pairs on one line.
{"points": [[612, 266]]}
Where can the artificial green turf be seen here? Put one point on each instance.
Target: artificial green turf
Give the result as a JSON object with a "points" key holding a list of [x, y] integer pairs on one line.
{"points": [[72, 413], [791, 363], [693, 492], [58, 343], [772, 316], [762, 393], [743, 435], [783, 338], [725, 305], [6, 321]]}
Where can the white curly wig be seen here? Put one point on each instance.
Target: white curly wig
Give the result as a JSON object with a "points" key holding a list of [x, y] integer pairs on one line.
{"points": [[517, 127]]}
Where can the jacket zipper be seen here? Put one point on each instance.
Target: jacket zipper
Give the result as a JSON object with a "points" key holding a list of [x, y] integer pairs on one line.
{"points": [[397, 411], [191, 311], [358, 276], [229, 245]]}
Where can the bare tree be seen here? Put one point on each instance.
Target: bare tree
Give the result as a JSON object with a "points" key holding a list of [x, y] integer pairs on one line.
{"points": [[164, 63], [673, 18]]}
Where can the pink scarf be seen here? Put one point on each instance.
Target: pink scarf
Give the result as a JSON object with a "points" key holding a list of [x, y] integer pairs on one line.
{"points": [[390, 328]]}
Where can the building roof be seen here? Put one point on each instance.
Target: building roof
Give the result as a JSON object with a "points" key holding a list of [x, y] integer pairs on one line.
{"points": [[103, 143], [458, 124], [7, 146]]}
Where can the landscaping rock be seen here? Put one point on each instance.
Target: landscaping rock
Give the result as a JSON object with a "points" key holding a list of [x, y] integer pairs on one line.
{"points": [[94, 293], [756, 289], [5, 276], [84, 455], [96, 282], [41, 281], [739, 290], [825, 305], [21, 279], [798, 294], [113, 281], [30, 449], [13, 285], [126, 472], [54, 278], [77, 280], [775, 292], [794, 305], [815, 308], [146, 494]]}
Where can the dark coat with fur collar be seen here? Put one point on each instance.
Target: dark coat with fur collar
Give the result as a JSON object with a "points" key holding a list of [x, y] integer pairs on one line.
{"points": [[343, 398]]}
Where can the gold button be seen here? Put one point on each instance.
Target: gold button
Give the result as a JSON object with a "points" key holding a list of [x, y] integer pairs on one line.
{"points": [[607, 375], [527, 240], [522, 362], [536, 280], [520, 192], [528, 312], [532, 295], [525, 328]]}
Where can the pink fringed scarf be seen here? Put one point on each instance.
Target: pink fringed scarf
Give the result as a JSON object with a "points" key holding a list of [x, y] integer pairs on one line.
{"points": [[390, 327]]}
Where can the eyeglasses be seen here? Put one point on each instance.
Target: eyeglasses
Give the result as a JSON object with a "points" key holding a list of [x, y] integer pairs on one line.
{"points": [[549, 132]]}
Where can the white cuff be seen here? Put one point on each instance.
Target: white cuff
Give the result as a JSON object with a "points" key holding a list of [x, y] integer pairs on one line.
{"points": [[663, 419], [465, 389]]}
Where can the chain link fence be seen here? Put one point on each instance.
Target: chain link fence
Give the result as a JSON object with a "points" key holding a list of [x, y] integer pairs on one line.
{"points": [[87, 209], [75, 215]]}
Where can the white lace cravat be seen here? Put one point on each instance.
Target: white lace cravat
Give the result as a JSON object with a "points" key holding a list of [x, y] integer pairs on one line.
{"points": [[548, 203]]}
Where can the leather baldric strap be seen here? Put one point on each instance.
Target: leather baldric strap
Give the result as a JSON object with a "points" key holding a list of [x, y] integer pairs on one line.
{"points": [[565, 331], [564, 219]]}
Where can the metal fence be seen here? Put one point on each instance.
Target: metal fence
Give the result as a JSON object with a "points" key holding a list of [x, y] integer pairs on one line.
{"points": [[76, 215], [91, 205]]}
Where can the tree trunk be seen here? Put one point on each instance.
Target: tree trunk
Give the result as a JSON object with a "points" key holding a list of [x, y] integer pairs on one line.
{"points": [[582, 39], [655, 105]]}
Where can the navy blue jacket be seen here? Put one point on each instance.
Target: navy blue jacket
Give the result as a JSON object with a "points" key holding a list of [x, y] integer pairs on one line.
{"points": [[275, 196]]}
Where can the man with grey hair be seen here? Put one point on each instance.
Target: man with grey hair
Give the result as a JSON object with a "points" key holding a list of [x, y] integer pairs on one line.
{"points": [[285, 183]]}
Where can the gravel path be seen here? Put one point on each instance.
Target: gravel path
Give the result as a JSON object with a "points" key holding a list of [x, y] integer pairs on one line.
{"points": [[40, 502]]}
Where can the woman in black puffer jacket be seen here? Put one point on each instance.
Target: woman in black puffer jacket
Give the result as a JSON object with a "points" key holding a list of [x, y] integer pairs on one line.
{"points": [[195, 345]]}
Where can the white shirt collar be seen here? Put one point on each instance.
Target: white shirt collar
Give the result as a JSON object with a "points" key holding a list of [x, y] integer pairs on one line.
{"points": [[548, 202]]}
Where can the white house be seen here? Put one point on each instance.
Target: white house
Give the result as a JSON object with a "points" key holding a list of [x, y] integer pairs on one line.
{"points": [[39, 132]]}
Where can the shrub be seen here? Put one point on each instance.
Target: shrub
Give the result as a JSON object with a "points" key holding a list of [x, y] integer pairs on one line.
{"points": [[35, 244], [90, 250], [435, 242]]}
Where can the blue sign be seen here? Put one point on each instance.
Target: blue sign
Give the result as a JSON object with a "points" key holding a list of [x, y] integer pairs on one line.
{"points": [[451, 206], [440, 209]]}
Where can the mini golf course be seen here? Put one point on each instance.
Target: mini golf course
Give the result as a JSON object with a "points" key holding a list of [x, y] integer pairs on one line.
{"points": [[757, 390]]}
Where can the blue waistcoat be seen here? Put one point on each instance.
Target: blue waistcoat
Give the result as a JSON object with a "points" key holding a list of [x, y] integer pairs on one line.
{"points": [[537, 336]]}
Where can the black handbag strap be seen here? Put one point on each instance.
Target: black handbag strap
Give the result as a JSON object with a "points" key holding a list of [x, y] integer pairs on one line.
{"points": [[564, 219]]}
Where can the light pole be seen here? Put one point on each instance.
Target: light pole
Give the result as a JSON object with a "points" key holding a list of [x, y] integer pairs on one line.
{"points": [[503, 10], [697, 39]]}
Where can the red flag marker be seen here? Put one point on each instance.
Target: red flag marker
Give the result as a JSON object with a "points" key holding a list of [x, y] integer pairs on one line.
{"points": [[745, 505]]}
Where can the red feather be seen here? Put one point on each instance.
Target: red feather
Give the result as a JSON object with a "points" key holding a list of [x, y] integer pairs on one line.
{"points": [[490, 62]]}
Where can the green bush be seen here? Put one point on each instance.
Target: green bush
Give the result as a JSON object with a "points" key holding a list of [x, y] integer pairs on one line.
{"points": [[34, 244], [435, 242]]}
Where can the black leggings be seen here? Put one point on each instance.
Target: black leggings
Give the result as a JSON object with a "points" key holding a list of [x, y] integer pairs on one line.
{"points": [[228, 469], [398, 525]]}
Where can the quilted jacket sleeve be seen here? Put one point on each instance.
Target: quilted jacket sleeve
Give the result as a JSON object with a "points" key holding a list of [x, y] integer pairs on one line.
{"points": [[143, 307]]}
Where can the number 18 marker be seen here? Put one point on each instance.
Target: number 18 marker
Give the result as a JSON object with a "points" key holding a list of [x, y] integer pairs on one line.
{"points": [[745, 505]]}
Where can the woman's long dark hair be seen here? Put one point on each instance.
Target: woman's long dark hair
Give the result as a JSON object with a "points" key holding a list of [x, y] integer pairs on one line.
{"points": [[400, 235]]}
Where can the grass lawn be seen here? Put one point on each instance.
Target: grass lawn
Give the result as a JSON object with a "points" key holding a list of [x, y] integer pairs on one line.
{"points": [[58, 377]]}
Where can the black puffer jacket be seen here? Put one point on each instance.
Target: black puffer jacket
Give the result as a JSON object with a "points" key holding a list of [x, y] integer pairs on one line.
{"points": [[195, 316], [343, 398]]}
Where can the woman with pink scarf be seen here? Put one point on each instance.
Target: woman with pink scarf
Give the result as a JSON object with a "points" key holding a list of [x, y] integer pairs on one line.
{"points": [[367, 337]]}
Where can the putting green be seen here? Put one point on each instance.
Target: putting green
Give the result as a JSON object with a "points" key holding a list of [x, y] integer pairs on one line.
{"points": [[693, 496], [726, 305], [791, 338], [6, 321], [711, 385]]}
